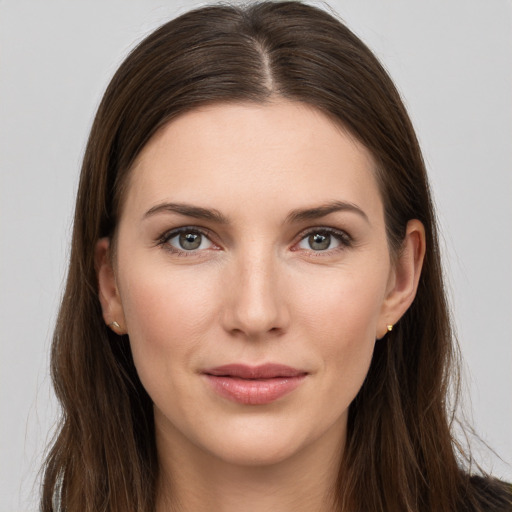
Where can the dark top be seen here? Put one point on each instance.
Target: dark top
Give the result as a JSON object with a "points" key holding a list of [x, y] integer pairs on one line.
{"points": [[490, 494]]}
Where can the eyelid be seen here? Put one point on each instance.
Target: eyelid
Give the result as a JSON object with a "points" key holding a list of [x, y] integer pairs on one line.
{"points": [[171, 233], [341, 235]]}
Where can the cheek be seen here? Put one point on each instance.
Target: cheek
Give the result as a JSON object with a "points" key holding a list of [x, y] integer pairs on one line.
{"points": [[166, 316], [342, 306], [341, 314]]}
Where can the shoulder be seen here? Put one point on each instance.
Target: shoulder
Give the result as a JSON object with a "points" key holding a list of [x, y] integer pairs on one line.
{"points": [[487, 494]]}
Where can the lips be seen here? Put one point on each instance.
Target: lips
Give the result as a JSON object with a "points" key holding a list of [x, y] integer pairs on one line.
{"points": [[254, 385]]}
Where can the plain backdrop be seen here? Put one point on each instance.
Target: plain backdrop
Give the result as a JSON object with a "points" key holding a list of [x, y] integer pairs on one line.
{"points": [[452, 61]]}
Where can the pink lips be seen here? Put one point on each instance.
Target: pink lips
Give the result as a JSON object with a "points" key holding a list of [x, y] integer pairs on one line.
{"points": [[254, 385]]}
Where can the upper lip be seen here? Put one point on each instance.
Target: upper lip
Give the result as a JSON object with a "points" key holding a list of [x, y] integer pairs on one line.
{"points": [[264, 371]]}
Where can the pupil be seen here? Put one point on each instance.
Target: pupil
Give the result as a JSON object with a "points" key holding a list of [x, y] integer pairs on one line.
{"points": [[319, 242], [190, 241]]}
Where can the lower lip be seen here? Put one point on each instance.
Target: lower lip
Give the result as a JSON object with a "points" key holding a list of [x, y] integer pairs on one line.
{"points": [[253, 391]]}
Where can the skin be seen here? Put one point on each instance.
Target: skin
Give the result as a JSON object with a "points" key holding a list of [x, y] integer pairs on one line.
{"points": [[256, 290]]}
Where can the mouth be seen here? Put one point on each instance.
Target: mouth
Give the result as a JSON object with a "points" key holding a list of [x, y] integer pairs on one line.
{"points": [[254, 385]]}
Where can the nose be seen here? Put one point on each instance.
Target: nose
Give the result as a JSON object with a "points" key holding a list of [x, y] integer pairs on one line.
{"points": [[256, 306]]}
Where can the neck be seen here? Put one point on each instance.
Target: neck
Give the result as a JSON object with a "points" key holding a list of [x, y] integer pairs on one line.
{"points": [[196, 481]]}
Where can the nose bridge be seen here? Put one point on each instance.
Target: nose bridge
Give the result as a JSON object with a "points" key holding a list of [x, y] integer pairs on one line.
{"points": [[257, 305]]}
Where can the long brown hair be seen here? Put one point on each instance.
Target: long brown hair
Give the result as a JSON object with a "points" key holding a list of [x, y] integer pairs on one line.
{"points": [[400, 454]]}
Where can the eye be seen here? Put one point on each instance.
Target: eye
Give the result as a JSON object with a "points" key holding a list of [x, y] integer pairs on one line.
{"points": [[186, 240], [324, 239]]}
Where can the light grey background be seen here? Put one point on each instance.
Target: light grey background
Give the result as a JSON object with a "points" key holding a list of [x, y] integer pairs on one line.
{"points": [[452, 61]]}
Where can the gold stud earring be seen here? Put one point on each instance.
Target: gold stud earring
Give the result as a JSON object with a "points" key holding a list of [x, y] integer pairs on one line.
{"points": [[114, 325], [389, 327]]}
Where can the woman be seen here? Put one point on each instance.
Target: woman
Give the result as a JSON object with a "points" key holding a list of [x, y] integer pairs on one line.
{"points": [[254, 316]]}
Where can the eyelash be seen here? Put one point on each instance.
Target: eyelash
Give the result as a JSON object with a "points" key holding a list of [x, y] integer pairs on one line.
{"points": [[342, 237], [168, 235]]}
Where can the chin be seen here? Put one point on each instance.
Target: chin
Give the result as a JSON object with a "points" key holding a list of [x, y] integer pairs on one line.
{"points": [[258, 453], [260, 442]]}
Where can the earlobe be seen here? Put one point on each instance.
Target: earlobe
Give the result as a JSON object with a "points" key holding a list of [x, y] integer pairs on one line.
{"points": [[406, 276], [108, 292]]}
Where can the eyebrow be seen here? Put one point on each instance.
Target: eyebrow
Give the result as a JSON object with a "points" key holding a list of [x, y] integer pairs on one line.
{"points": [[323, 210], [298, 215], [189, 211]]}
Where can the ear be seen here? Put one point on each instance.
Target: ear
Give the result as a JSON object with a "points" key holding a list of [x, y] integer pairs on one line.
{"points": [[108, 292], [404, 277]]}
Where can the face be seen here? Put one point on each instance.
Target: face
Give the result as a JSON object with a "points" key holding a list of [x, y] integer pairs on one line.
{"points": [[253, 276]]}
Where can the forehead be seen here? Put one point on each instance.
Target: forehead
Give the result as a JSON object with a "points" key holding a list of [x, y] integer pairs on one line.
{"points": [[283, 153]]}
